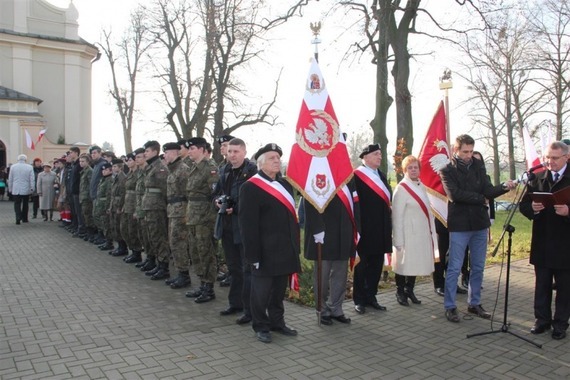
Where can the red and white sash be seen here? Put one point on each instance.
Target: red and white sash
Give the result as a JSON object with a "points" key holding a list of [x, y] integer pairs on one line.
{"points": [[424, 205], [347, 200], [275, 189], [373, 181]]}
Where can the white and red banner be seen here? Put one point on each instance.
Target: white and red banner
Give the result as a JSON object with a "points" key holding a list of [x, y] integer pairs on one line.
{"points": [[41, 135], [319, 164], [433, 157], [532, 158], [29, 141]]}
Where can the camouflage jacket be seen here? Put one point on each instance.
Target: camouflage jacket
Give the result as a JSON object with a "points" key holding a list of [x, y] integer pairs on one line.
{"points": [[118, 192], [103, 195], [130, 192], [176, 183], [154, 197], [85, 183], [201, 182]]}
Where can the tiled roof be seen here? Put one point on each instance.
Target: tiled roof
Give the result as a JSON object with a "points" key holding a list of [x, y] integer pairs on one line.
{"points": [[8, 93]]}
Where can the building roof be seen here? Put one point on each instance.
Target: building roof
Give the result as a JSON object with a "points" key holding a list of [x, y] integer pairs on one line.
{"points": [[8, 93]]}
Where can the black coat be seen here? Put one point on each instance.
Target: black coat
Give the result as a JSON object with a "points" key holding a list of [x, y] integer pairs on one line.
{"points": [[467, 189], [375, 220], [269, 231], [339, 232], [246, 171], [550, 232]]}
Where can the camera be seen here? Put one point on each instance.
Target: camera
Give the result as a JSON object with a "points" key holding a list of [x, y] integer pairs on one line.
{"points": [[225, 202]]}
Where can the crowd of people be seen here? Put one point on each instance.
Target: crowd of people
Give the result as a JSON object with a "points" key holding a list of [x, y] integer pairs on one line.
{"points": [[175, 206]]}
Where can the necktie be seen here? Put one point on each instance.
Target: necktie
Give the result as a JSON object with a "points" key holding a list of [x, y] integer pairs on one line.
{"points": [[556, 176]]}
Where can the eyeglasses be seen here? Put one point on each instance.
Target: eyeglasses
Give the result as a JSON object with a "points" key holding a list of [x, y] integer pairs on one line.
{"points": [[555, 158]]}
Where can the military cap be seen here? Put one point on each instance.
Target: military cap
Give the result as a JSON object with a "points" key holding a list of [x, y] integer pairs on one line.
{"points": [[108, 153], [369, 149], [223, 138], [200, 142], [182, 142], [152, 144], [171, 146], [93, 148], [106, 165], [131, 156], [268, 148], [138, 151], [566, 141], [117, 161]]}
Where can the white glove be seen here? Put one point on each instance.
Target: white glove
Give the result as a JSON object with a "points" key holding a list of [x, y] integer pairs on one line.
{"points": [[256, 265], [320, 237]]}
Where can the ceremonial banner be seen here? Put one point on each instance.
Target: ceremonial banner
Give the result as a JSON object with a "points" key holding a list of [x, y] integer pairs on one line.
{"points": [[29, 141], [532, 158], [41, 135], [319, 164], [433, 157]]}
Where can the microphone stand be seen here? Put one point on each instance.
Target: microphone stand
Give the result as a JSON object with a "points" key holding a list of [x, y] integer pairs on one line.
{"points": [[510, 229]]}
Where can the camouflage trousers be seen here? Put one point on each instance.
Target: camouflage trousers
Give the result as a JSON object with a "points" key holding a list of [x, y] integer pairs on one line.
{"points": [[202, 251], [87, 210], [115, 226], [143, 237], [130, 231], [178, 238], [157, 230]]}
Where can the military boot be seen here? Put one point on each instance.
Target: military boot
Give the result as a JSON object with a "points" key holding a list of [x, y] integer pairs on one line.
{"points": [[123, 250], [135, 257], [153, 271], [150, 264], [196, 292], [171, 280], [207, 294], [162, 272], [107, 246], [182, 281], [142, 263]]}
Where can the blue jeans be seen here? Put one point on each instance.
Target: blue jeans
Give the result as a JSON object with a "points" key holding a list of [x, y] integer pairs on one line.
{"points": [[458, 242]]}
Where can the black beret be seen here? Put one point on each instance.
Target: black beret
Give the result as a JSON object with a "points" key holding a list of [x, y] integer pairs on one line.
{"points": [[223, 139], [200, 142], [131, 156], [117, 161], [208, 147], [268, 148], [170, 146], [138, 151], [108, 153], [94, 147], [566, 141], [153, 144], [106, 165], [369, 149], [182, 142]]}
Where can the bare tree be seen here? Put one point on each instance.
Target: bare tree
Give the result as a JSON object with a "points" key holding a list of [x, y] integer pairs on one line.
{"points": [[128, 55]]}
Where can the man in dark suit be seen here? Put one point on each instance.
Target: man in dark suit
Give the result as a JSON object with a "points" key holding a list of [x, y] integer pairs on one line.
{"points": [[374, 194], [270, 237], [550, 242]]}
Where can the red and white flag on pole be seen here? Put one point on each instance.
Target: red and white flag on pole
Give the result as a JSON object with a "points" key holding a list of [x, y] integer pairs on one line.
{"points": [[41, 135], [433, 157], [29, 141], [531, 155], [319, 164]]}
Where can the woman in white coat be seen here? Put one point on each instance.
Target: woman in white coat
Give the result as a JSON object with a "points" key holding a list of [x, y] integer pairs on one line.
{"points": [[46, 191], [413, 229]]}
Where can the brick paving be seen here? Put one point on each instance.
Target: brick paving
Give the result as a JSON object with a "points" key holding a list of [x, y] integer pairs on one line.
{"points": [[70, 311]]}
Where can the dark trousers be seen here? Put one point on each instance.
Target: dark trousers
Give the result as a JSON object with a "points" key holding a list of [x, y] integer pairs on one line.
{"points": [[78, 213], [240, 287], [35, 205], [267, 310], [21, 207], [366, 278], [543, 297], [439, 268]]}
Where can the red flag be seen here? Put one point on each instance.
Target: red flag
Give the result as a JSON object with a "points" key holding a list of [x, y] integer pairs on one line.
{"points": [[319, 164], [532, 158], [29, 141], [41, 135], [433, 157]]}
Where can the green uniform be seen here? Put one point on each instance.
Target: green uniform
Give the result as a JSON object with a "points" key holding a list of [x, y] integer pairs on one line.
{"points": [[154, 207], [116, 205], [176, 183], [201, 217], [101, 205], [85, 198], [130, 224], [139, 212]]}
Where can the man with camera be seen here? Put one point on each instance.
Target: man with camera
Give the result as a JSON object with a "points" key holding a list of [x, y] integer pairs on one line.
{"points": [[232, 175]]}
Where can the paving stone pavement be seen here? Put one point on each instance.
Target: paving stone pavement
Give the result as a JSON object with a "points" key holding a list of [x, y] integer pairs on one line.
{"points": [[70, 311]]}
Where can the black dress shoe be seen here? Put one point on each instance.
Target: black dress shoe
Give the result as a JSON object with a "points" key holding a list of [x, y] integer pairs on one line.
{"points": [[341, 318], [17, 222], [558, 334], [231, 310], [360, 309], [226, 282], [326, 320], [452, 315], [539, 328], [439, 291], [263, 336], [377, 306], [479, 311], [285, 331], [244, 319]]}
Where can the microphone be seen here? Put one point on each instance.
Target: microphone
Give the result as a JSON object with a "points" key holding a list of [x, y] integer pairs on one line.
{"points": [[536, 167]]}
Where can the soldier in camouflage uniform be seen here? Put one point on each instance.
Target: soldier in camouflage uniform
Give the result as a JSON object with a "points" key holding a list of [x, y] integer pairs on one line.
{"points": [[116, 207], [154, 207], [85, 197], [102, 205], [201, 217], [176, 184], [183, 143], [129, 223]]}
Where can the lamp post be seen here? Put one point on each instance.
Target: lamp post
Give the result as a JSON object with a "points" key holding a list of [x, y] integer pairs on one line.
{"points": [[446, 84]]}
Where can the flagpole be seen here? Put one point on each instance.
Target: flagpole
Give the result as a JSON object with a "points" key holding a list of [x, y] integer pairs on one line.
{"points": [[446, 84], [316, 28]]}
